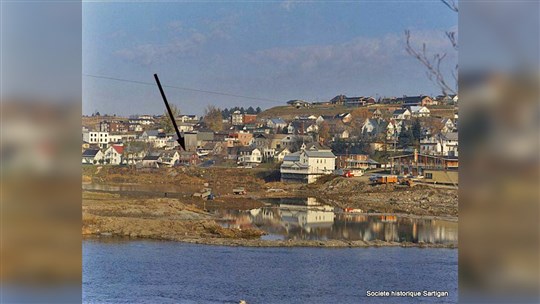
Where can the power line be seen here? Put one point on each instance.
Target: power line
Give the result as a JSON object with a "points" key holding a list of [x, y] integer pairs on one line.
{"points": [[182, 88]]}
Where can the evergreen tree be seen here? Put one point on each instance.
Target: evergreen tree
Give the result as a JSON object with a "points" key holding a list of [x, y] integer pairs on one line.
{"points": [[416, 131], [405, 137], [250, 110], [258, 110]]}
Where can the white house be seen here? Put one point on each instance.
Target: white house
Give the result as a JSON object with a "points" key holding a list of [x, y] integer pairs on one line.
{"points": [[93, 137], [276, 123], [249, 156], [151, 161], [401, 114], [170, 158], [308, 164], [156, 138], [373, 126], [237, 118], [280, 155], [419, 111], [92, 157], [113, 155], [444, 144], [448, 126]]}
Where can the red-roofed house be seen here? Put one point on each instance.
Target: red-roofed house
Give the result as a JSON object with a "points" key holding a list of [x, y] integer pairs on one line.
{"points": [[113, 155]]}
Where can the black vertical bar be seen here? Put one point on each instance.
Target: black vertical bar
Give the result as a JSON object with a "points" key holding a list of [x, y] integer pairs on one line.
{"points": [[171, 115]]}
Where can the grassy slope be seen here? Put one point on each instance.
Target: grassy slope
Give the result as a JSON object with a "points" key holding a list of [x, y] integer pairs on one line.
{"points": [[289, 112]]}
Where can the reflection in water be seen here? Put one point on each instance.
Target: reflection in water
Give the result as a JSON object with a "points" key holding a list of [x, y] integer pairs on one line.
{"points": [[308, 220]]}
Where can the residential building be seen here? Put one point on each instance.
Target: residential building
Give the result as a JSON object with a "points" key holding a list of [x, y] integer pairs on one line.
{"points": [[237, 118], [170, 158], [308, 164], [113, 155], [401, 114], [443, 144], [421, 100], [249, 156], [417, 163], [99, 138], [151, 161], [419, 111], [276, 123], [92, 157], [298, 103]]}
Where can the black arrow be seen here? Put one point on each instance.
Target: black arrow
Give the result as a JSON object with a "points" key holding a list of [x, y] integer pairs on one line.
{"points": [[181, 139]]}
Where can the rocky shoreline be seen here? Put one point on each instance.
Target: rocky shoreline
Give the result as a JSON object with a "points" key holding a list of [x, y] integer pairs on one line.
{"points": [[155, 212]]}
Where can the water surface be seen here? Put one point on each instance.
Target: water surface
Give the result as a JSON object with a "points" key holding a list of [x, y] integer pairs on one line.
{"points": [[168, 272], [307, 219]]}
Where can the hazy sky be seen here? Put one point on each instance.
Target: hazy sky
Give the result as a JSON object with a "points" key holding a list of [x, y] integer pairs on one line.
{"points": [[272, 50]]}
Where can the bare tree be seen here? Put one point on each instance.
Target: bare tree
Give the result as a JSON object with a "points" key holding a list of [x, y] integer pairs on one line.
{"points": [[433, 62], [213, 118], [165, 122]]}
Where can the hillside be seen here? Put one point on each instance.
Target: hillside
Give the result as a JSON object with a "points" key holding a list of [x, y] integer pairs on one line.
{"points": [[289, 112], [92, 122]]}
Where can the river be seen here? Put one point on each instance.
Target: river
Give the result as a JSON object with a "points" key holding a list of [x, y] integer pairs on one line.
{"points": [[144, 271]]}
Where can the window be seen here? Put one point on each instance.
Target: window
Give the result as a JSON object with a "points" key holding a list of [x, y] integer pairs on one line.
{"points": [[429, 175]]}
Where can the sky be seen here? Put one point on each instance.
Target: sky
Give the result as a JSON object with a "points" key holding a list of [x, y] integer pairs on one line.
{"points": [[271, 52]]}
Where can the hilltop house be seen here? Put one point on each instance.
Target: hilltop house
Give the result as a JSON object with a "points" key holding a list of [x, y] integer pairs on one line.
{"points": [[297, 103], [352, 101], [308, 164], [420, 100]]}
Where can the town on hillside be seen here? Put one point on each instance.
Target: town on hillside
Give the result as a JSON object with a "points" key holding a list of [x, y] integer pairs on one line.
{"points": [[413, 136]]}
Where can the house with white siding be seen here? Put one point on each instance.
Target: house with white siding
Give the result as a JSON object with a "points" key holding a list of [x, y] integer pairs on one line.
{"points": [[113, 155], [92, 157], [308, 164]]}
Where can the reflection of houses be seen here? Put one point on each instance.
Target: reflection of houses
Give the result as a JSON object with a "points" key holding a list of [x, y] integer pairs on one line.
{"points": [[308, 164], [306, 217]]}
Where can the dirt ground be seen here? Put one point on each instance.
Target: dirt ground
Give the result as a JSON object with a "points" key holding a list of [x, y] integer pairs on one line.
{"points": [[357, 193], [162, 205]]}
